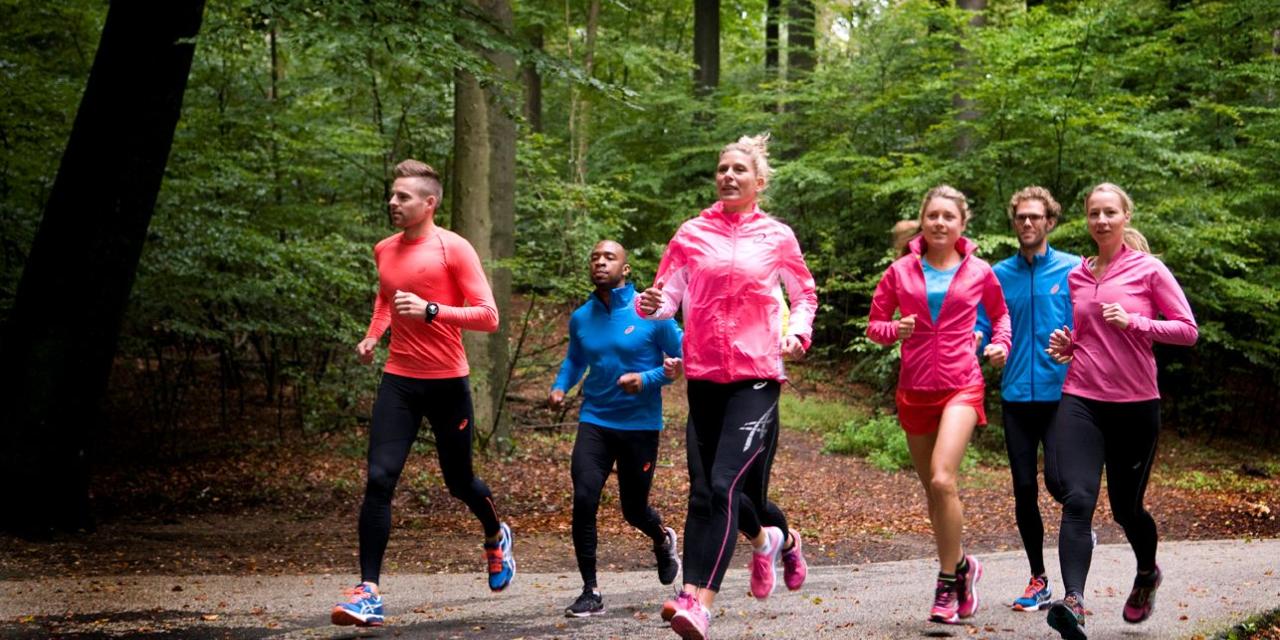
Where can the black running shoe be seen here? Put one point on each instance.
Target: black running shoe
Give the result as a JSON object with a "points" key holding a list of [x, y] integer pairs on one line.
{"points": [[1067, 617], [589, 603], [668, 555]]}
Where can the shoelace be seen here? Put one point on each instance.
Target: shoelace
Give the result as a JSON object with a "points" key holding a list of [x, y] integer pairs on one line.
{"points": [[1034, 588], [1139, 596], [357, 593], [944, 595], [495, 559], [1073, 603]]}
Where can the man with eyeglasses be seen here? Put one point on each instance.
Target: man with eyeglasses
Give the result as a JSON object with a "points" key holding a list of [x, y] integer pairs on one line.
{"points": [[1035, 289]]}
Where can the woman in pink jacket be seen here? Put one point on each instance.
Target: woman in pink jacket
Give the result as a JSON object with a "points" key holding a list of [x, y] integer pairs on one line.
{"points": [[721, 269], [937, 286], [1110, 411]]}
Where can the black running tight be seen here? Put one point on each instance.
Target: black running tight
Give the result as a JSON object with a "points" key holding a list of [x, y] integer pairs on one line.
{"points": [[1025, 426], [754, 507], [1086, 436], [397, 414], [728, 433], [594, 453]]}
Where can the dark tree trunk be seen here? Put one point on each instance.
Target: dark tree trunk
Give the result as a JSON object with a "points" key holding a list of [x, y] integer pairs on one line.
{"points": [[771, 17], [800, 38], [533, 83], [706, 45], [503, 103], [61, 337]]}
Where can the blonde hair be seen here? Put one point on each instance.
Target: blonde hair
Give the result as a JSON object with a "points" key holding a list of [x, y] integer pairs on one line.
{"points": [[950, 193], [903, 232], [1135, 240], [756, 148], [1132, 237], [1051, 207]]}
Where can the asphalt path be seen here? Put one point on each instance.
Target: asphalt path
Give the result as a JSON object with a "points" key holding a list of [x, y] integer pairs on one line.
{"points": [[1208, 586]]}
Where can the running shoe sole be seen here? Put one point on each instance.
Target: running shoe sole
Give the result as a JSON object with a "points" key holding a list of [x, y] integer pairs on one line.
{"points": [[585, 614], [344, 618], [1064, 621], [973, 590], [686, 627]]}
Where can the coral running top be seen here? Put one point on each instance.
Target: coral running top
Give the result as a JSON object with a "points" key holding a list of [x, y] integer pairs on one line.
{"points": [[440, 267]]}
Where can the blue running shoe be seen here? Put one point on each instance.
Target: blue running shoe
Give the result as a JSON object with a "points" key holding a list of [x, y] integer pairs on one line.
{"points": [[1036, 595], [502, 564], [363, 608]]}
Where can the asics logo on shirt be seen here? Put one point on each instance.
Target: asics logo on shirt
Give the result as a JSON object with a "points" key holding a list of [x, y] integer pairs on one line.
{"points": [[1056, 288], [628, 330], [758, 426]]}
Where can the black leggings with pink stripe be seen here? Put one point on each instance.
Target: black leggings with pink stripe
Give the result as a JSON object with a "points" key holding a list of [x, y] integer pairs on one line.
{"points": [[728, 436], [397, 415]]}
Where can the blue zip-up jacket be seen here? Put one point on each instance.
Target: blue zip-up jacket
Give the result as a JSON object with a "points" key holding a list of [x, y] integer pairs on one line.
{"points": [[1039, 301], [611, 342]]}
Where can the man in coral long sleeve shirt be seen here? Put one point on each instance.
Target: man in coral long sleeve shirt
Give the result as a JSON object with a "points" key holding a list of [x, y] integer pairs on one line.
{"points": [[430, 287]]}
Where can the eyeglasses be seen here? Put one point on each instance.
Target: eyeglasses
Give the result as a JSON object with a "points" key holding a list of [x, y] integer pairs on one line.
{"points": [[1023, 218]]}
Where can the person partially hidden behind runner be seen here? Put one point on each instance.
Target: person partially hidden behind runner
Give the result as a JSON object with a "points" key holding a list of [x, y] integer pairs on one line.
{"points": [[1035, 287], [628, 361], [1109, 416], [430, 287], [937, 285]]}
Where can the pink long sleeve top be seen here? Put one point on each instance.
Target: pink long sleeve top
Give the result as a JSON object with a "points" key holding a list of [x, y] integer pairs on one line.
{"points": [[938, 355], [440, 267], [1117, 365], [723, 270]]}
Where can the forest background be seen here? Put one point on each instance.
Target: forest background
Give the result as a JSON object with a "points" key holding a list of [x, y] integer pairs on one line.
{"points": [[558, 123]]}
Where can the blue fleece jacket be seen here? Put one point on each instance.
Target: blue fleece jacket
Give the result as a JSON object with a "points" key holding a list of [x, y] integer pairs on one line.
{"points": [[1039, 301], [610, 342]]}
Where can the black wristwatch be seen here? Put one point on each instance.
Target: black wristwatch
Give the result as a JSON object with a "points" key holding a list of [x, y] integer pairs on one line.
{"points": [[432, 310]]}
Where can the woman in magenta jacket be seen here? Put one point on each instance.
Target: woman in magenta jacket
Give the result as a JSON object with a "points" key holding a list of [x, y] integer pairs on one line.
{"points": [[1110, 410], [937, 286], [721, 268]]}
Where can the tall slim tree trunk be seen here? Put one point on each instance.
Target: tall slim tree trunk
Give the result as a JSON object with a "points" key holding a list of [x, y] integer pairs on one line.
{"points": [[61, 337], [533, 83], [966, 111], [706, 45], [801, 30], [772, 16], [584, 106], [471, 216], [503, 101]]}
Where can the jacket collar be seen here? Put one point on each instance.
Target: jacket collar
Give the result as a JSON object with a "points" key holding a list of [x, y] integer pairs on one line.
{"points": [[964, 245], [1038, 259], [716, 212], [618, 297]]}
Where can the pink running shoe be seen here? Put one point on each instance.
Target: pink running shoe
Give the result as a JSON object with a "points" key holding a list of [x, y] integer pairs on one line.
{"points": [[682, 601], [967, 588], [1142, 599], [945, 604], [692, 623], [794, 568], [764, 574]]}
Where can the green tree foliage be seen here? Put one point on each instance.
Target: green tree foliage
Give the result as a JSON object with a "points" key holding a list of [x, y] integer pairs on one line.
{"points": [[259, 250]]}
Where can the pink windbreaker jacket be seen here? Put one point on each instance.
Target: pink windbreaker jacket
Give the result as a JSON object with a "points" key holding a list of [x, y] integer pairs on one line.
{"points": [[722, 270], [1117, 365], [938, 356]]}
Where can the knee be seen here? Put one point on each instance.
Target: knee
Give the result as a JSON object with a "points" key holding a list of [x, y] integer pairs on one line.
{"points": [[381, 482], [635, 515], [1077, 506], [942, 486], [585, 498], [461, 488]]}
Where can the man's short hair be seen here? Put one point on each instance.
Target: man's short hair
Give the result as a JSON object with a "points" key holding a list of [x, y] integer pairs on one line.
{"points": [[1051, 207], [418, 169]]}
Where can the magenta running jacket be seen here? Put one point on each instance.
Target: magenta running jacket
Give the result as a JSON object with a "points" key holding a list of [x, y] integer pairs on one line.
{"points": [[938, 356], [721, 270], [1117, 365]]}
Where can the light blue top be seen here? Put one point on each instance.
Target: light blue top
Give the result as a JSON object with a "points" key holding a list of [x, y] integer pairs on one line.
{"points": [[936, 283]]}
